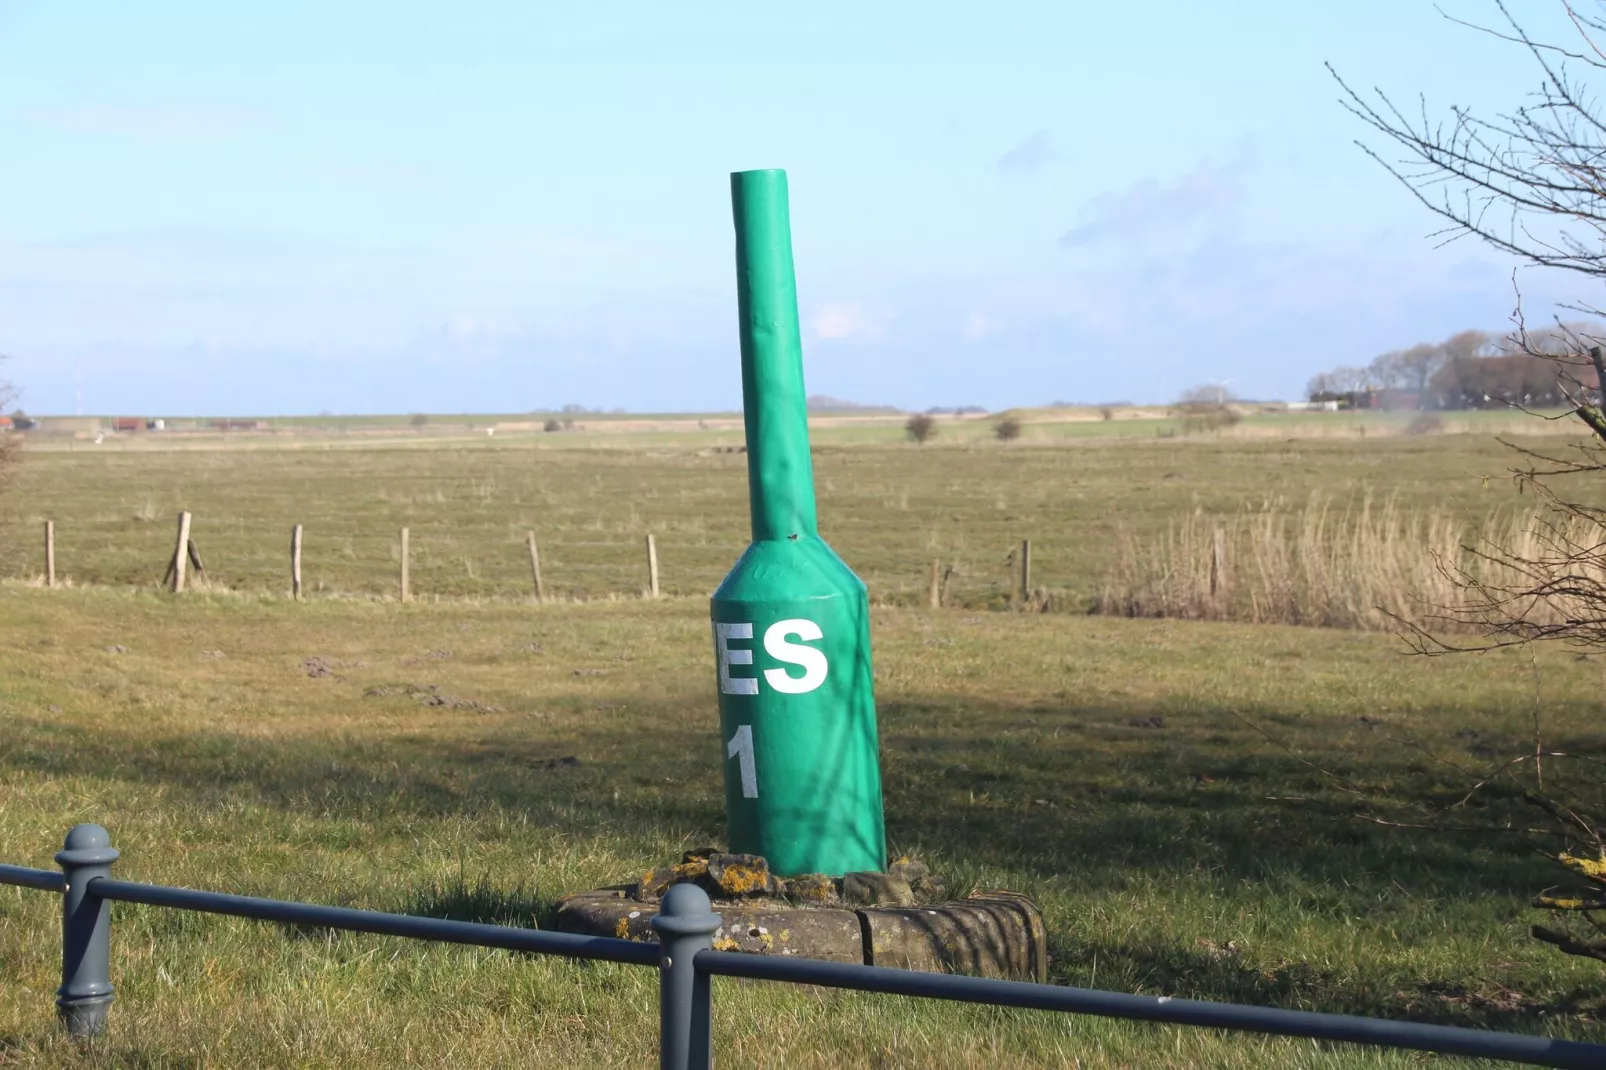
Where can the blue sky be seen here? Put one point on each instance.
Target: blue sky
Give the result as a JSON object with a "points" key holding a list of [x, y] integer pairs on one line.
{"points": [[500, 206]]}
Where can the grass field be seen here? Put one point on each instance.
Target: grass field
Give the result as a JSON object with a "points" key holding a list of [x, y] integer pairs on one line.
{"points": [[1152, 783], [889, 508]]}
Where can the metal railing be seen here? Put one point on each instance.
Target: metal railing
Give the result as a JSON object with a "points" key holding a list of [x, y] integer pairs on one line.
{"points": [[687, 965]]}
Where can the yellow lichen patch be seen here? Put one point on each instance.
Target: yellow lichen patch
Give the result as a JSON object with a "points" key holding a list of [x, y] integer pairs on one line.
{"points": [[725, 943], [622, 929], [739, 879], [688, 871], [811, 888], [1593, 868]]}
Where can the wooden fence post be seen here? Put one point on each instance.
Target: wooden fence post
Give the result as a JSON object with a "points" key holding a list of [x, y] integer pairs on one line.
{"points": [[535, 567], [1025, 569], [181, 553], [936, 583], [652, 566], [295, 562], [50, 553], [1218, 555], [406, 579], [195, 559]]}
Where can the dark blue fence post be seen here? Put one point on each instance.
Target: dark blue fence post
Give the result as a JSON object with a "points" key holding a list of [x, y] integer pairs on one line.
{"points": [[685, 924], [86, 991]]}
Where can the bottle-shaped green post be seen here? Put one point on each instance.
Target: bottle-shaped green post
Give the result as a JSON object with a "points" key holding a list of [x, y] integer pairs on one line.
{"points": [[791, 621]]}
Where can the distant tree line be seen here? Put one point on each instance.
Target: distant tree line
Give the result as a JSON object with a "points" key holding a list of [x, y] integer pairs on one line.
{"points": [[1469, 370]]}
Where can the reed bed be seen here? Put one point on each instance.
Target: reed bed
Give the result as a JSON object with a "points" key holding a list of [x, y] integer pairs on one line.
{"points": [[1356, 563]]}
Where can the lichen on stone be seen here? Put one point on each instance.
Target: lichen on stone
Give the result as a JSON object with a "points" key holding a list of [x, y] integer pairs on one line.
{"points": [[811, 888], [740, 876]]}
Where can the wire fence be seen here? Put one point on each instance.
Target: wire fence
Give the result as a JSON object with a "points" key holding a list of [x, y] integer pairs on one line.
{"points": [[437, 562], [686, 963]]}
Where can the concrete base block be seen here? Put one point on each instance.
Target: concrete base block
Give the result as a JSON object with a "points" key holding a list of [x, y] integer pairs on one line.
{"points": [[761, 928], [989, 934]]}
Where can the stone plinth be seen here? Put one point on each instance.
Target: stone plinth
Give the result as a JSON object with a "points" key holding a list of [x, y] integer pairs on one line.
{"points": [[872, 918], [988, 934], [763, 928]]}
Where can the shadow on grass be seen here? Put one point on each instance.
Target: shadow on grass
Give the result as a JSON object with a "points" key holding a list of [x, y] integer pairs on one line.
{"points": [[481, 901], [1220, 975], [1077, 795]]}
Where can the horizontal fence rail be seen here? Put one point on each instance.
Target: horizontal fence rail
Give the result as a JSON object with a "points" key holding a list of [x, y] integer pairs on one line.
{"points": [[687, 964], [412, 927], [46, 880], [1444, 1039]]}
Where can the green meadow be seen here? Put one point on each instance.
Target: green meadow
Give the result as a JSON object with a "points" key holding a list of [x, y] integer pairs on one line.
{"points": [[1180, 797]]}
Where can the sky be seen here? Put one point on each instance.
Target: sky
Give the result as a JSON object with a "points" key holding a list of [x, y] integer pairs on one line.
{"points": [[500, 206]]}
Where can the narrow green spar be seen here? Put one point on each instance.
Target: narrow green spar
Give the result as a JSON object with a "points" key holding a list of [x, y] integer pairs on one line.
{"points": [[791, 621]]}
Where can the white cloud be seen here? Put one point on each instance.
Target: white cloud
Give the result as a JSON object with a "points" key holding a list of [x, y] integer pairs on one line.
{"points": [[842, 320], [1034, 152], [1202, 197]]}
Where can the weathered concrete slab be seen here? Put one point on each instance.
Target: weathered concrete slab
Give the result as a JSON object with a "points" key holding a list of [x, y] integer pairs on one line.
{"points": [[608, 912], [990, 934], [872, 918], [832, 934], [754, 926]]}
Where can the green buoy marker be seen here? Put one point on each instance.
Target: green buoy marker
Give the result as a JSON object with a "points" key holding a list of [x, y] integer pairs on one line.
{"points": [[791, 621]]}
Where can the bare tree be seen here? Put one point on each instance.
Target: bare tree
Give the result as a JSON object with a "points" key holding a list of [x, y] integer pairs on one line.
{"points": [[1207, 407], [921, 426], [1345, 379], [1530, 182], [1464, 345], [1348, 378], [1527, 181], [1412, 369], [1388, 369], [1206, 394]]}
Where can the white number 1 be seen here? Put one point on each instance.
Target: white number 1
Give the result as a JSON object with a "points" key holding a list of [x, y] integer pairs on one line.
{"points": [[741, 748]]}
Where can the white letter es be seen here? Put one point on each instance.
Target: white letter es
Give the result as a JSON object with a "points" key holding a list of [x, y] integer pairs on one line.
{"points": [[811, 660]]}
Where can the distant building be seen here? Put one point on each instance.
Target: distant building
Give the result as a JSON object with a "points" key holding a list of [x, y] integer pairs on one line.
{"points": [[59, 424], [1344, 400]]}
